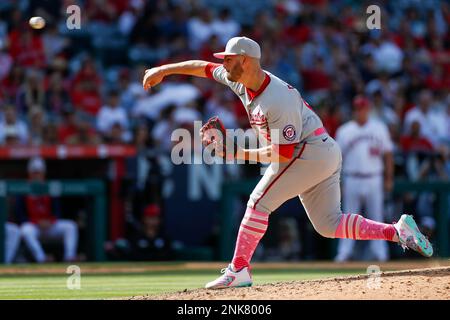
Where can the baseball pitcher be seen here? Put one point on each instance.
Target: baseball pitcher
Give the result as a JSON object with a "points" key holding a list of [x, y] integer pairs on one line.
{"points": [[305, 160]]}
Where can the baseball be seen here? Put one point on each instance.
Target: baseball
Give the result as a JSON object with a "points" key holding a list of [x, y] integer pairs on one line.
{"points": [[37, 22]]}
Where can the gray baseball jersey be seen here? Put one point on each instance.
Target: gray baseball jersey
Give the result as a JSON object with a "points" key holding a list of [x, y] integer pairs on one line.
{"points": [[314, 170], [277, 106]]}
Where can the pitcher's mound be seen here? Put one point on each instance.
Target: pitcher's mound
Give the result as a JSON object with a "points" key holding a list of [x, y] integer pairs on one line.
{"points": [[430, 283]]}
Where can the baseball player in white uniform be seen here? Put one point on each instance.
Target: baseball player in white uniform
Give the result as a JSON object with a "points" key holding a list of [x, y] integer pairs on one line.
{"points": [[305, 160], [367, 155], [12, 241], [42, 222]]}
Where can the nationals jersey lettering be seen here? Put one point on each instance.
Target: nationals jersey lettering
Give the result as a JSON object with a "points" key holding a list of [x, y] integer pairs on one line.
{"points": [[276, 106]]}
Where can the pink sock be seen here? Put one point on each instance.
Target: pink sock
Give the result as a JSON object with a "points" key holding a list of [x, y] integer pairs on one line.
{"points": [[253, 226], [354, 226]]}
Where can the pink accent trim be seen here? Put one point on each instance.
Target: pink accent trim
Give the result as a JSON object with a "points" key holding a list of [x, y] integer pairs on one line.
{"points": [[339, 233], [307, 104], [389, 233], [253, 229], [248, 232], [239, 263], [255, 212], [347, 220], [209, 68], [265, 222], [319, 131], [354, 226], [253, 94]]}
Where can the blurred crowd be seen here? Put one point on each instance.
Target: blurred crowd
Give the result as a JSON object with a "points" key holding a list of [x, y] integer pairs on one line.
{"points": [[84, 86]]}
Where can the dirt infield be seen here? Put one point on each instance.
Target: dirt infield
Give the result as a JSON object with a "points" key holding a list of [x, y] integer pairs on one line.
{"points": [[421, 279], [418, 284]]}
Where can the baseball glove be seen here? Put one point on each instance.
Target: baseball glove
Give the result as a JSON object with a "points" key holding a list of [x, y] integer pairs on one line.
{"points": [[213, 131]]}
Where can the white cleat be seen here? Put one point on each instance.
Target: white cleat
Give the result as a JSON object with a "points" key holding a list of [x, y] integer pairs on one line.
{"points": [[410, 237], [231, 279]]}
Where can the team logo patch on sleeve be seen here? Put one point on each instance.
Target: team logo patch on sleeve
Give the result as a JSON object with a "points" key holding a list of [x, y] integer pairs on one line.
{"points": [[289, 132]]}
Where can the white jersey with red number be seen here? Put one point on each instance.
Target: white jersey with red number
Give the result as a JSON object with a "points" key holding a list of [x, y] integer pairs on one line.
{"points": [[363, 146], [275, 107]]}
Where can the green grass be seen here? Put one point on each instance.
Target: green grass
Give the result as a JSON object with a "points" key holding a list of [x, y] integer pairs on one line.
{"points": [[117, 284]]}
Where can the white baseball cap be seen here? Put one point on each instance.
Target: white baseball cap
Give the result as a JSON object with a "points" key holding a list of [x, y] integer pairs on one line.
{"points": [[240, 46]]}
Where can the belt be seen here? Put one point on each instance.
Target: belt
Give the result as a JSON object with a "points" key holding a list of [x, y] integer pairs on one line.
{"points": [[316, 133]]}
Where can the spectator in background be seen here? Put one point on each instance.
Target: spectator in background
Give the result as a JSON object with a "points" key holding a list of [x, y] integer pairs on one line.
{"points": [[446, 137], [68, 125], [6, 62], [12, 241], [56, 96], [113, 114], [26, 47], [32, 92], [11, 84], [130, 91], [221, 104], [85, 93], [421, 156], [225, 27], [387, 55], [382, 111], [316, 80], [54, 43], [437, 80], [331, 118], [388, 87], [10, 125], [137, 171], [36, 120], [129, 16], [85, 134], [188, 113], [200, 28], [163, 128], [209, 47], [42, 219], [11, 137], [143, 173], [429, 120], [86, 98], [50, 134], [115, 135], [102, 11]]}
